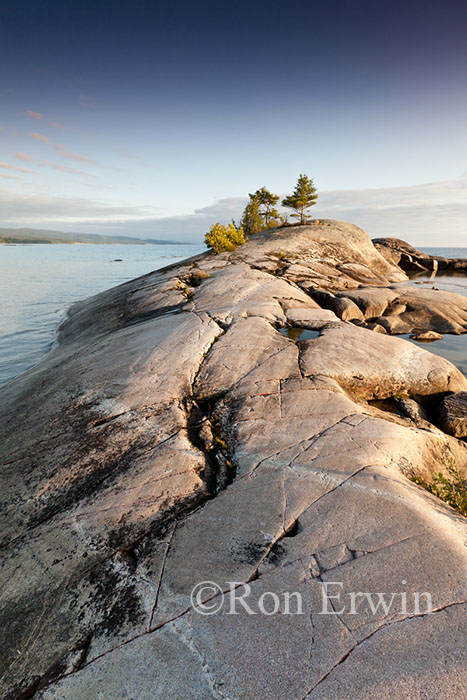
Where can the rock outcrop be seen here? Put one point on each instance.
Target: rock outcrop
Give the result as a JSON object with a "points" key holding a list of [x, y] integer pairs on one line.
{"points": [[412, 260], [175, 436]]}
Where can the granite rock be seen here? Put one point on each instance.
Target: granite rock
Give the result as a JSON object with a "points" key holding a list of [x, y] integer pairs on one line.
{"points": [[172, 439]]}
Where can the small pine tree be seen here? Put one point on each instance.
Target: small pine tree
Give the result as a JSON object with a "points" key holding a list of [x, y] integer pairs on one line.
{"points": [[267, 202], [224, 238], [251, 220], [303, 197]]}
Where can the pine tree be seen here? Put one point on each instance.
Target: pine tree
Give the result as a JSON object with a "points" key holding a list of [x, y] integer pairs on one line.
{"points": [[267, 201], [251, 221], [303, 197]]}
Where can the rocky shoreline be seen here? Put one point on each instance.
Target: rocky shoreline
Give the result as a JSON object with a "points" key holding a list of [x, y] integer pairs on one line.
{"points": [[175, 436], [410, 259]]}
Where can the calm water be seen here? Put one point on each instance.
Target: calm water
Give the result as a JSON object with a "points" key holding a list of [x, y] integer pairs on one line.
{"points": [[452, 347], [39, 282], [446, 252]]}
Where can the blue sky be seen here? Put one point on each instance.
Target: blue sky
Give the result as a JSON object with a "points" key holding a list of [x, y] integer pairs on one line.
{"points": [[156, 118]]}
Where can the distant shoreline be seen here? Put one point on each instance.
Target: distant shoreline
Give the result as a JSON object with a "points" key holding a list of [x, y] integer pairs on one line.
{"points": [[37, 236], [137, 241]]}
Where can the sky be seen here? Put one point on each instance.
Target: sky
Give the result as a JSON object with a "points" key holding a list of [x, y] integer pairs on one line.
{"points": [[156, 119]]}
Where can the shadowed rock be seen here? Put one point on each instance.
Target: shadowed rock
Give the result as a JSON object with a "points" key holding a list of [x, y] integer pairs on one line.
{"points": [[410, 259], [407, 309], [453, 414]]}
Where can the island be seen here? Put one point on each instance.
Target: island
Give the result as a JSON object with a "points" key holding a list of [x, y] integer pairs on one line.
{"points": [[22, 236], [233, 428]]}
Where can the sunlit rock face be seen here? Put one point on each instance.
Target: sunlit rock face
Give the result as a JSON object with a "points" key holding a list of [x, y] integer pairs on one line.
{"points": [[178, 435]]}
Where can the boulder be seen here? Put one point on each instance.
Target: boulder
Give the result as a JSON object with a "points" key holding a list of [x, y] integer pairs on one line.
{"points": [[372, 301], [427, 336], [395, 309], [345, 308], [377, 327], [313, 319], [374, 366], [427, 310]]}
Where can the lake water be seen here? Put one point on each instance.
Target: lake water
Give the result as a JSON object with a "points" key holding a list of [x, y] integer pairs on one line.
{"points": [[452, 347], [446, 252], [39, 282]]}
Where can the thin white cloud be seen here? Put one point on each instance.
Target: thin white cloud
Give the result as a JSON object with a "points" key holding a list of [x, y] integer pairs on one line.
{"points": [[430, 214], [7, 166], [61, 149], [39, 137], [25, 157], [10, 177], [17, 209], [225, 209], [39, 116], [63, 168], [433, 212], [72, 156], [34, 115]]}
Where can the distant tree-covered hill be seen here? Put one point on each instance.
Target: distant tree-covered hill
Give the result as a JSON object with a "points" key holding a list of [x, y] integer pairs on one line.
{"points": [[32, 235]]}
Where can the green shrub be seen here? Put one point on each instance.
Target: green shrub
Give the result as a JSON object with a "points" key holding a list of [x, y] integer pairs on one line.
{"points": [[451, 489], [224, 238], [189, 293]]}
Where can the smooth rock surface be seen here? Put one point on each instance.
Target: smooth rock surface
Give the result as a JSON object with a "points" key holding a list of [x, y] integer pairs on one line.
{"points": [[427, 336], [171, 439], [313, 319], [428, 309], [374, 366], [372, 302]]}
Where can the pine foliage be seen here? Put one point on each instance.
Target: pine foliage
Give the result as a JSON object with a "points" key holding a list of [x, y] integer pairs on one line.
{"points": [[267, 202], [303, 197], [251, 220]]}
